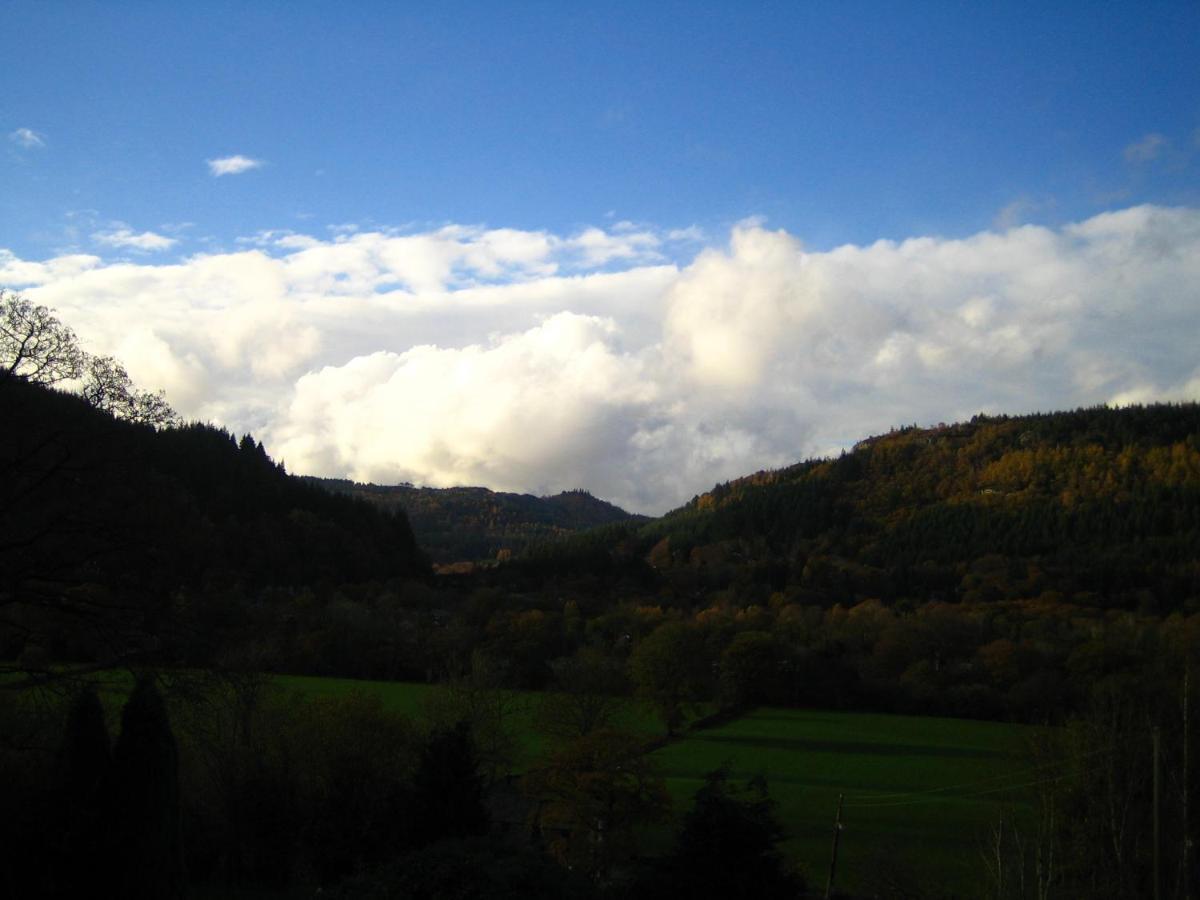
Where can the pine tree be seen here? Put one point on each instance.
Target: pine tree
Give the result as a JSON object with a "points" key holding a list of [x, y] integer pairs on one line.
{"points": [[447, 787], [81, 771], [142, 801]]}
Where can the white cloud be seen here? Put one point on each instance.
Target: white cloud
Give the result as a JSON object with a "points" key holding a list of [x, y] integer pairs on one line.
{"points": [[19, 273], [1147, 149], [553, 405], [597, 247], [531, 361], [123, 237], [232, 165], [27, 138]]}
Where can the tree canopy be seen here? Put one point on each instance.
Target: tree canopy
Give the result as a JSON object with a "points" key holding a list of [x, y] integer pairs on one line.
{"points": [[38, 348]]}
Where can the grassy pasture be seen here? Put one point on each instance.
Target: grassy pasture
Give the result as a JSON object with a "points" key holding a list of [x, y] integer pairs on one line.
{"points": [[398, 696], [920, 793]]}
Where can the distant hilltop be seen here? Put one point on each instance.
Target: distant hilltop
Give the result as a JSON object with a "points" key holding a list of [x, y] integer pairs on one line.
{"points": [[474, 524]]}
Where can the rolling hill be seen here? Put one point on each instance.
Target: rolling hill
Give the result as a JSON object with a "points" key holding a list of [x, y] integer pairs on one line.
{"points": [[474, 523]]}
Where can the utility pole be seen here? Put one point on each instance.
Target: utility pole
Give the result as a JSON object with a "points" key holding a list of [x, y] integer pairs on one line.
{"points": [[1187, 834], [1157, 880], [837, 833]]}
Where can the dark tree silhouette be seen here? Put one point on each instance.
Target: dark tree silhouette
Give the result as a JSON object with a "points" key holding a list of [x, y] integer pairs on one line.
{"points": [[108, 387], [726, 847], [142, 801], [82, 767], [85, 754], [468, 868], [34, 344], [448, 789]]}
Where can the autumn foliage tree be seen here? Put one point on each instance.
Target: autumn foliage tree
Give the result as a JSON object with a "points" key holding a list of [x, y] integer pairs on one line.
{"points": [[592, 794], [667, 671]]}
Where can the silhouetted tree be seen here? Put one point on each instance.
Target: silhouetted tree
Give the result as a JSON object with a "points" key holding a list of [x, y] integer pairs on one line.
{"points": [[82, 766], [726, 847], [85, 754], [448, 789], [479, 867], [142, 801], [107, 386], [34, 344]]}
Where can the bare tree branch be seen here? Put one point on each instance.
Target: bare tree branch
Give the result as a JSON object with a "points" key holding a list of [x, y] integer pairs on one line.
{"points": [[34, 344]]}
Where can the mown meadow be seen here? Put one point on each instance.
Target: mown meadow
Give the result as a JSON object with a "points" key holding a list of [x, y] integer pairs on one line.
{"points": [[921, 795]]}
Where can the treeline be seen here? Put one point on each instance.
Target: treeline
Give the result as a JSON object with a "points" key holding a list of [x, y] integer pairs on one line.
{"points": [[1032, 661]]}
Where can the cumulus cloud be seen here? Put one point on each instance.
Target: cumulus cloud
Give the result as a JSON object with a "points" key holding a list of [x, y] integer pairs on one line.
{"points": [[232, 165], [19, 273], [125, 238], [27, 138], [446, 416], [597, 247], [530, 361]]}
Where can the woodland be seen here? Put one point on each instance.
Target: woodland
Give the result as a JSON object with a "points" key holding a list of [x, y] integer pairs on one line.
{"points": [[1040, 569]]}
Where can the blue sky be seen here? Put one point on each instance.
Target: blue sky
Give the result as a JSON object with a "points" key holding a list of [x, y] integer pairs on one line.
{"points": [[839, 121], [615, 164]]}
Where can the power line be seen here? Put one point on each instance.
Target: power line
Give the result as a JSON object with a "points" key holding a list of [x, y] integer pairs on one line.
{"points": [[925, 796]]}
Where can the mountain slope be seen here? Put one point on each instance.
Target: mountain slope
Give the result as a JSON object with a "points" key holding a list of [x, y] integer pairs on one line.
{"points": [[474, 523], [106, 526], [1097, 506]]}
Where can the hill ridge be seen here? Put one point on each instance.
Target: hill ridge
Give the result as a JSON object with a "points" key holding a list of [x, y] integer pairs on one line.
{"points": [[474, 523]]}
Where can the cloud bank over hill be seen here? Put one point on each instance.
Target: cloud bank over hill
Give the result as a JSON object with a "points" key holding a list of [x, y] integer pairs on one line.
{"points": [[529, 361]]}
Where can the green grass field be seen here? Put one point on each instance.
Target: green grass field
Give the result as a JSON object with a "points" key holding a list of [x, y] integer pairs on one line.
{"points": [[398, 696], [920, 793]]}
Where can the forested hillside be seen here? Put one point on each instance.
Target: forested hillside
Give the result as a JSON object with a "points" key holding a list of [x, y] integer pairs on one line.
{"points": [[474, 523], [113, 533], [1099, 507]]}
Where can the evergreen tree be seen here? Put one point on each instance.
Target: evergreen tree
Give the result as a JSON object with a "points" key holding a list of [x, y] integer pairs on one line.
{"points": [[142, 801], [81, 770], [85, 753], [448, 789], [726, 847]]}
